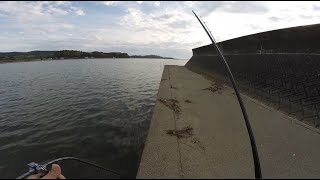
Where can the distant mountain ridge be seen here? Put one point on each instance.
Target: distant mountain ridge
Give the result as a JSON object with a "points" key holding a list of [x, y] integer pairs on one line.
{"points": [[66, 54]]}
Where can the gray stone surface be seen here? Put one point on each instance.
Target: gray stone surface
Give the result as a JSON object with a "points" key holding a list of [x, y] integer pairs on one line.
{"points": [[219, 146]]}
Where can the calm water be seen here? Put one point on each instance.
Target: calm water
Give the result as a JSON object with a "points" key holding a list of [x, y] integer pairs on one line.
{"points": [[96, 109]]}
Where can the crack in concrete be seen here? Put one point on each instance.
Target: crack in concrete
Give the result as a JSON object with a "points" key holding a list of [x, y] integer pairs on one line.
{"points": [[175, 124]]}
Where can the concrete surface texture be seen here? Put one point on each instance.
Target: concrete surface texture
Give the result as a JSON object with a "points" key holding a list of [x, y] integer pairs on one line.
{"points": [[219, 146], [288, 82]]}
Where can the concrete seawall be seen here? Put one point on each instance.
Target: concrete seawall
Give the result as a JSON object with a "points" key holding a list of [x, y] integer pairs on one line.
{"points": [[301, 39], [287, 82], [197, 129], [217, 145], [279, 67]]}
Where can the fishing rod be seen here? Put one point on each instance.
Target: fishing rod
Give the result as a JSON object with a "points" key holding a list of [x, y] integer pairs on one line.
{"points": [[35, 168], [257, 168]]}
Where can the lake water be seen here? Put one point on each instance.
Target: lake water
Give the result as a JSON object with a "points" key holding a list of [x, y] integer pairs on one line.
{"points": [[96, 109]]}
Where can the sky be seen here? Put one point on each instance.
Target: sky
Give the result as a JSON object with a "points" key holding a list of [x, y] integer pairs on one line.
{"points": [[165, 28]]}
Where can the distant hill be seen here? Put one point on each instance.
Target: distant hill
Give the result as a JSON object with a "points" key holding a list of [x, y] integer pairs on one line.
{"points": [[150, 56], [10, 54], [65, 54]]}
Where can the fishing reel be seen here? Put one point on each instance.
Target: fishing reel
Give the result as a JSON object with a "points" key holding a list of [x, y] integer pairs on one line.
{"points": [[35, 168]]}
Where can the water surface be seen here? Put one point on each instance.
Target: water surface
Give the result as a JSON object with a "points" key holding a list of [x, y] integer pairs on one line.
{"points": [[96, 109]]}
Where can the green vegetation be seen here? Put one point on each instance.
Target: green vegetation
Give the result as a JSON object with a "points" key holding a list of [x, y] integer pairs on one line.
{"points": [[64, 54], [150, 56], [95, 54]]}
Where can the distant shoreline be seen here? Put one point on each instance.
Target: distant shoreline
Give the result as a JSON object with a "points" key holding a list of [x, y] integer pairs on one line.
{"points": [[47, 60], [9, 57]]}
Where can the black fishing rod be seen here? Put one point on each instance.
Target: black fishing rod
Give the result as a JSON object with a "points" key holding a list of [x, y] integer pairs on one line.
{"points": [[257, 168], [35, 168]]}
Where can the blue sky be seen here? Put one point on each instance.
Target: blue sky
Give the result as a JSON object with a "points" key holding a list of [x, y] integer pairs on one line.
{"points": [[139, 27]]}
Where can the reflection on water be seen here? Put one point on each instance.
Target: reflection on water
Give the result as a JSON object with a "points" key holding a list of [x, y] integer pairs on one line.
{"points": [[96, 109]]}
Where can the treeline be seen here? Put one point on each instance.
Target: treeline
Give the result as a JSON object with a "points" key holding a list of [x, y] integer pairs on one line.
{"points": [[65, 54], [25, 56], [150, 56], [95, 54]]}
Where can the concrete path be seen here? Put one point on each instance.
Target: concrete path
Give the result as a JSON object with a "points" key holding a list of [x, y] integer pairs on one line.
{"points": [[219, 146]]}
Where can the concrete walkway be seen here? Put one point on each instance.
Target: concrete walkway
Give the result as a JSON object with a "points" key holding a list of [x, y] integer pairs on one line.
{"points": [[219, 146]]}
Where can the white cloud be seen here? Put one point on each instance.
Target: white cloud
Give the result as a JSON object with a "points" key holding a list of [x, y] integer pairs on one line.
{"points": [[168, 30], [189, 3], [157, 3], [79, 12], [28, 12], [67, 26], [57, 11], [39, 11], [110, 3], [273, 15], [62, 2], [38, 21]]}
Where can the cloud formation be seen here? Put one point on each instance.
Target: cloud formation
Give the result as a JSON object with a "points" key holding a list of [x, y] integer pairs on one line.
{"points": [[79, 12], [141, 27], [110, 3]]}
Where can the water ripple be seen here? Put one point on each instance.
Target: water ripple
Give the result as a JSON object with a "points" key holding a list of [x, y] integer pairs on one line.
{"points": [[95, 109]]}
